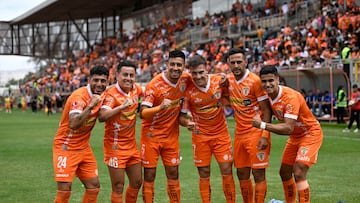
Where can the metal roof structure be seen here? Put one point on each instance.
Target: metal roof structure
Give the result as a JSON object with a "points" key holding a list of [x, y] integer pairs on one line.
{"points": [[63, 10], [55, 28]]}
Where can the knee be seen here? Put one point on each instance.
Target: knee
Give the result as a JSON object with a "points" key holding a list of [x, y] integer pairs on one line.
{"points": [[172, 172], [285, 174], [300, 171], [204, 172], [137, 184], [149, 174], [118, 187], [259, 175]]}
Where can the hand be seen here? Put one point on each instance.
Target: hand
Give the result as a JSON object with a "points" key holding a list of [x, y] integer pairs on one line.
{"points": [[95, 99], [165, 104], [262, 143], [224, 81], [256, 121], [190, 126]]}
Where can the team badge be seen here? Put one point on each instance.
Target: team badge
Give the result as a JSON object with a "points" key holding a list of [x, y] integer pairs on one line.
{"points": [[182, 87], [217, 94], [304, 151], [245, 91], [260, 156]]}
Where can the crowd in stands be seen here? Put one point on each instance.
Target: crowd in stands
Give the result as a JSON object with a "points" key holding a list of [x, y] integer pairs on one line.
{"points": [[311, 43]]}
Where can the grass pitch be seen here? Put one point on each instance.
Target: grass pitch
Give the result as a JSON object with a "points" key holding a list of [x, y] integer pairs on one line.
{"points": [[26, 173]]}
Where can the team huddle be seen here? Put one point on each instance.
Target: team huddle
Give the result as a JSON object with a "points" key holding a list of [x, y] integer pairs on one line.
{"points": [[194, 100]]}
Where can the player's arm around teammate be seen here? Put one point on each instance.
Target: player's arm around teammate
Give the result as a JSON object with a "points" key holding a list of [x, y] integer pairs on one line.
{"points": [[72, 154], [296, 120], [121, 152]]}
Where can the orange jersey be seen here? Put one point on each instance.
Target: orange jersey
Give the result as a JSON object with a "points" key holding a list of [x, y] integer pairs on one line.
{"points": [[120, 129], [165, 122], [69, 139], [244, 96], [291, 104], [206, 108]]}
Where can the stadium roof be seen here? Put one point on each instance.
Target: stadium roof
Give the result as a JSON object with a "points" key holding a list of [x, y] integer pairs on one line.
{"points": [[63, 10]]}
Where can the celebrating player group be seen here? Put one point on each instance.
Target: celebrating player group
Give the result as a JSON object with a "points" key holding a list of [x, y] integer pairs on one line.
{"points": [[186, 94]]}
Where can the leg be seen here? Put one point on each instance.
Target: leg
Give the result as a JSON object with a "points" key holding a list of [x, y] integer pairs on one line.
{"points": [[63, 192], [92, 186], [134, 174], [260, 184], [173, 184], [303, 189], [246, 186], [204, 184], [357, 118], [148, 187], [117, 183], [288, 183], [228, 181]]}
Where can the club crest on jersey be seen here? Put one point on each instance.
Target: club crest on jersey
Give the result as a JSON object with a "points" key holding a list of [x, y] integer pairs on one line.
{"points": [[182, 87], [261, 156], [304, 151], [245, 91], [217, 94]]}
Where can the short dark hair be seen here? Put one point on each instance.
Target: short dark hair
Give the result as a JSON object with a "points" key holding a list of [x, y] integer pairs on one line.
{"points": [[99, 70], [354, 86], [177, 53], [269, 69], [233, 51], [125, 63], [195, 61]]}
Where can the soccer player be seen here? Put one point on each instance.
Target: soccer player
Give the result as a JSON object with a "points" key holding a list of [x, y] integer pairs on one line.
{"points": [[160, 110], [295, 119], [121, 152], [210, 133], [72, 154], [251, 145]]}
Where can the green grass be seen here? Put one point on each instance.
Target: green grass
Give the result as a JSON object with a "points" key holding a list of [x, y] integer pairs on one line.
{"points": [[26, 173]]}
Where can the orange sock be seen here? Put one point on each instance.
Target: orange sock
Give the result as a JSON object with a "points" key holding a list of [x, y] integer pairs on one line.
{"points": [[91, 195], [148, 192], [173, 190], [205, 190], [228, 185], [303, 191], [116, 197], [62, 196], [131, 194], [289, 190], [260, 191], [247, 191]]}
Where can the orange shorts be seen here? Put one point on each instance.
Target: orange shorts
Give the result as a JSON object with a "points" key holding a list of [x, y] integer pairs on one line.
{"points": [[304, 149], [121, 158], [246, 154], [152, 148], [68, 163], [205, 146]]}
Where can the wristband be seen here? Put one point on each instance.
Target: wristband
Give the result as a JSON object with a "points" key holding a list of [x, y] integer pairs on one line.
{"points": [[262, 125]]}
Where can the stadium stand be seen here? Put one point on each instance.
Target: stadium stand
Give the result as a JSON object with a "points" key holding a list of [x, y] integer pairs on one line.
{"points": [[300, 38]]}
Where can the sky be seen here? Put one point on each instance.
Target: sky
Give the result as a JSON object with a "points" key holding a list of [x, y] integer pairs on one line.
{"points": [[15, 67]]}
